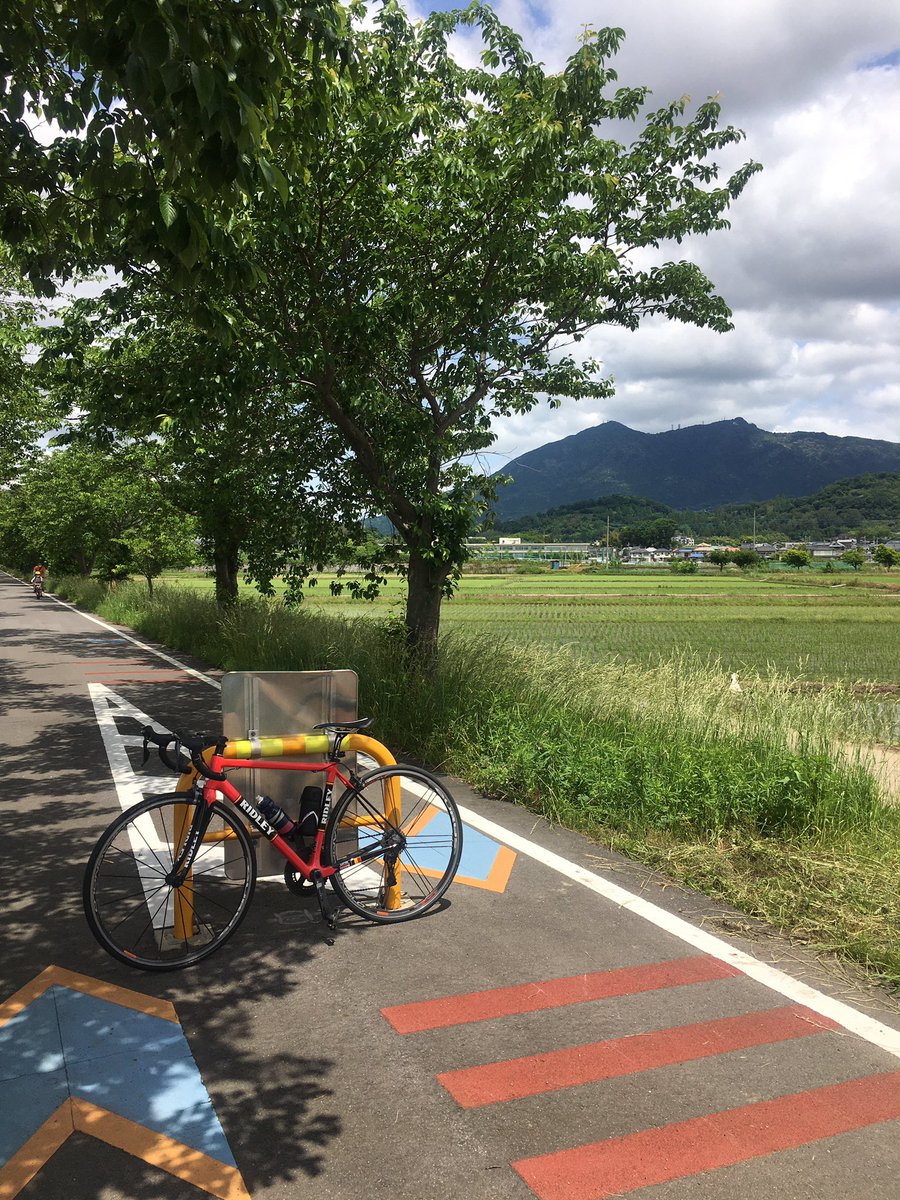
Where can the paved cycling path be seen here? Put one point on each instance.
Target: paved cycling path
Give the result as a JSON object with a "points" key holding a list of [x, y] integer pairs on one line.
{"points": [[580, 1032]]}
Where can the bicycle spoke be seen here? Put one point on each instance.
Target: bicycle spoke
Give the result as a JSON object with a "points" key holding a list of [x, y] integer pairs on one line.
{"points": [[143, 901], [129, 855], [131, 907], [150, 921], [164, 867], [421, 870]]}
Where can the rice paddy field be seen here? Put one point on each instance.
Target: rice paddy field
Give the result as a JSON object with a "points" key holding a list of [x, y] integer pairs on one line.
{"points": [[811, 631]]}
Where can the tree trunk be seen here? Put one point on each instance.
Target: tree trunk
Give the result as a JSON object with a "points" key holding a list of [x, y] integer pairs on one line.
{"points": [[149, 579], [225, 558], [423, 606]]}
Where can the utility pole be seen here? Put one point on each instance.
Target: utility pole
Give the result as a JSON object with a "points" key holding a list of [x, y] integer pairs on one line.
{"points": [[608, 564]]}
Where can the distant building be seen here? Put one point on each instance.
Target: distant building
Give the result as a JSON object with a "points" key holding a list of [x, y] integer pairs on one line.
{"points": [[517, 550], [643, 554]]}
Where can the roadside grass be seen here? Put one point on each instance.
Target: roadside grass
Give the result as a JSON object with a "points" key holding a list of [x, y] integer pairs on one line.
{"points": [[737, 794]]}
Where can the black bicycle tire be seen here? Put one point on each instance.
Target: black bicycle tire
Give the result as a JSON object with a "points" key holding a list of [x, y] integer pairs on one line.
{"points": [[381, 917], [120, 823]]}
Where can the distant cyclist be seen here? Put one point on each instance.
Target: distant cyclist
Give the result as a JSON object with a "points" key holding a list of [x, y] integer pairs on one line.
{"points": [[38, 576]]}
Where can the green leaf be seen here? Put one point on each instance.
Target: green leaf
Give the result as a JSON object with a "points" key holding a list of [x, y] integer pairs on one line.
{"points": [[155, 41], [167, 209], [274, 177], [204, 80]]}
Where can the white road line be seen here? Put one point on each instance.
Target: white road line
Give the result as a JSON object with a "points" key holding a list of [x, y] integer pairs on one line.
{"points": [[850, 1018], [142, 645], [843, 1014], [131, 788]]}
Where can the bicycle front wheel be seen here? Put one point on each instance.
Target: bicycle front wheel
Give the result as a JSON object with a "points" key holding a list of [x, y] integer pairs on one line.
{"points": [[134, 909], [396, 841]]}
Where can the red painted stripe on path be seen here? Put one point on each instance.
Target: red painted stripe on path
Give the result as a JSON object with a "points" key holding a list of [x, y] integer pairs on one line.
{"points": [[105, 662], [554, 993], [139, 675], [518, 1077], [620, 1165]]}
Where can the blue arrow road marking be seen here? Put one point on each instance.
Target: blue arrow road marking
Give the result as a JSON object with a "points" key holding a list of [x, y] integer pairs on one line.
{"points": [[24, 1107], [67, 1043], [478, 856], [35, 1051]]}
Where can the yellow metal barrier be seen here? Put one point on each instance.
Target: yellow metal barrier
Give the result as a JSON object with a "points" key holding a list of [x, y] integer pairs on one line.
{"points": [[183, 916], [293, 746], [393, 897]]}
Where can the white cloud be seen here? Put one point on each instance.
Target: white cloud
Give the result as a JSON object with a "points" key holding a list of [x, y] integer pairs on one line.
{"points": [[811, 265]]}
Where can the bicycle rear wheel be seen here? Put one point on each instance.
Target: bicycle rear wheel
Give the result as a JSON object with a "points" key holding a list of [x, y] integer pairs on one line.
{"points": [[396, 842], [134, 910]]}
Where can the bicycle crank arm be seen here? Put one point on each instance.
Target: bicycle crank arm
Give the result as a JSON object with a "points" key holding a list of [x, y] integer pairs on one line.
{"points": [[328, 915]]}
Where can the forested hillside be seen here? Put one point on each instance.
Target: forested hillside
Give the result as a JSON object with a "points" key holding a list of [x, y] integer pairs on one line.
{"points": [[698, 467], [868, 505]]}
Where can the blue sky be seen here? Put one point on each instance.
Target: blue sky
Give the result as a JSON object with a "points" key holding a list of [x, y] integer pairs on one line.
{"points": [[811, 265]]}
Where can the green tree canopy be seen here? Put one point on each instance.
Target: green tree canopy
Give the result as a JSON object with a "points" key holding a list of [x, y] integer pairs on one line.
{"points": [[129, 131], [721, 558], [24, 410], [77, 509], [658, 533], [434, 247], [251, 464], [746, 559], [456, 230], [854, 558], [796, 557]]}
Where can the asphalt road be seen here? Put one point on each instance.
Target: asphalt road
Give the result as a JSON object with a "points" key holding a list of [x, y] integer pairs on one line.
{"points": [[566, 1028]]}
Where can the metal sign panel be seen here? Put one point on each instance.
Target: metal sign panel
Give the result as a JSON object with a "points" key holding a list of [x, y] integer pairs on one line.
{"points": [[274, 703]]}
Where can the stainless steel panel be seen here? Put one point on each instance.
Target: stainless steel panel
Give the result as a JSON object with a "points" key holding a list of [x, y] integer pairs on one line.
{"points": [[275, 703]]}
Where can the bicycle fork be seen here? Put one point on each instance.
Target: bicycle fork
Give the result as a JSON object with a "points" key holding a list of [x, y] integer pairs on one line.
{"points": [[189, 834]]}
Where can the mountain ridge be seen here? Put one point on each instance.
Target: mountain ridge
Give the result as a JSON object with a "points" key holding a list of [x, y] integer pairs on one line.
{"points": [[693, 467]]}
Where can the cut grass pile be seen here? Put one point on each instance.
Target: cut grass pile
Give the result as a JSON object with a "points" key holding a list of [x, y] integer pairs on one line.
{"points": [[738, 794]]}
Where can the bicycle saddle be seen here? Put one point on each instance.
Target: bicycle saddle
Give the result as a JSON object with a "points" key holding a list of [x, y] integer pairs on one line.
{"points": [[346, 726]]}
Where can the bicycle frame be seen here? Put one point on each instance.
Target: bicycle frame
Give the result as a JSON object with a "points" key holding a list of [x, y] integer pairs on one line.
{"points": [[212, 789], [311, 868]]}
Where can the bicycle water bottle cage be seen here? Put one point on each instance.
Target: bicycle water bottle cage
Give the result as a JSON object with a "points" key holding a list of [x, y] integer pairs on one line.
{"points": [[311, 799]]}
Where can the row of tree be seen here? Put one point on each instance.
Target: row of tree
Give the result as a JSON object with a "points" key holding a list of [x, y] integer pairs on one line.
{"points": [[883, 556], [339, 255], [87, 513]]}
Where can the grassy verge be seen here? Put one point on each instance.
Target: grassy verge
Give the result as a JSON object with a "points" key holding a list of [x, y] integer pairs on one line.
{"points": [[738, 795]]}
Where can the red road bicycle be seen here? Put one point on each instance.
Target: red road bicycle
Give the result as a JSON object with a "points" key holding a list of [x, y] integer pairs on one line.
{"points": [[171, 879]]}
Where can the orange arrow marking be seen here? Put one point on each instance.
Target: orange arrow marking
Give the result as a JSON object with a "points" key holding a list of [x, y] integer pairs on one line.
{"points": [[76, 1114]]}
